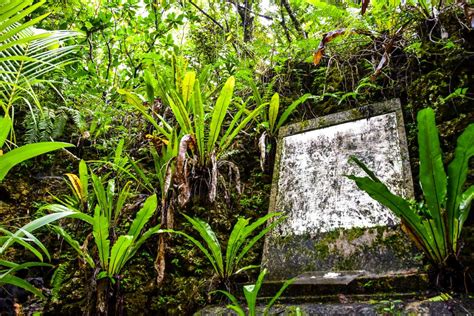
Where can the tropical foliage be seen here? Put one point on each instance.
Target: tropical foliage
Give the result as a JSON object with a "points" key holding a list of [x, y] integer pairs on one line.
{"points": [[112, 251], [239, 243], [251, 295], [18, 155], [23, 236], [112, 260], [436, 222], [27, 54], [176, 106], [198, 126], [107, 205]]}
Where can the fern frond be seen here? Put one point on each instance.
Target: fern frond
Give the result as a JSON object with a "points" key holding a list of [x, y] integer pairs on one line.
{"points": [[75, 116], [57, 280]]}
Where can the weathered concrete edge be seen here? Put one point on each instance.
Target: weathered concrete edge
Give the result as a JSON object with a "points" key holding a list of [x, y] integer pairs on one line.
{"points": [[362, 286], [365, 111], [370, 110]]}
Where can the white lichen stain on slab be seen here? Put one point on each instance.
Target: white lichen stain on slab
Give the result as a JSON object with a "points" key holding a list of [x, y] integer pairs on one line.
{"points": [[312, 189]]}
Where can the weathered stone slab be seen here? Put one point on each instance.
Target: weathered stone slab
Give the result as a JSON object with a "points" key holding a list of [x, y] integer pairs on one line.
{"points": [[358, 285], [331, 224]]}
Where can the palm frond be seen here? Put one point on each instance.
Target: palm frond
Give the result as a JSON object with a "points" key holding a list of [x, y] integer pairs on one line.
{"points": [[28, 53]]}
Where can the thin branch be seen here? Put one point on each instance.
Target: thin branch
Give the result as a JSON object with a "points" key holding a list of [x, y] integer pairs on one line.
{"points": [[207, 15], [109, 56], [253, 12]]}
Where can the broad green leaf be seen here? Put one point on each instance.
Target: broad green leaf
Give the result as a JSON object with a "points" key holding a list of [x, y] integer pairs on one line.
{"points": [[136, 245], [13, 267], [180, 113], [20, 154], [251, 292], [211, 240], [46, 219], [464, 207], [101, 235], [232, 124], [143, 216], [290, 110], [21, 241], [19, 282], [198, 112], [118, 152], [36, 241], [435, 223], [187, 86], [34, 225], [119, 254], [8, 264], [432, 175], [84, 178], [252, 227], [212, 259], [273, 111], [256, 94], [137, 103], [457, 174], [151, 83], [100, 194], [237, 309], [401, 208], [123, 195], [219, 112], [234, 243], [5, 126], [365, 168]]}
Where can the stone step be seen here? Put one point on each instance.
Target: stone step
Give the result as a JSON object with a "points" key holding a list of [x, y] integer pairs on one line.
{"points": [[330, 286]]}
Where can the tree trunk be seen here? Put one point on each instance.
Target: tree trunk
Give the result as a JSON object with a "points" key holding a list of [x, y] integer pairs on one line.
{"points": [[102, 303], [293, 18], [118, 298], [245, 13], [89, 308]]}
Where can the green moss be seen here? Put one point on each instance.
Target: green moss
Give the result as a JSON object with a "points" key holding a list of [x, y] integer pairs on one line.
{"points": [[354, 233], [355, 113], [347, 264], [322, 250], [304, 124]]}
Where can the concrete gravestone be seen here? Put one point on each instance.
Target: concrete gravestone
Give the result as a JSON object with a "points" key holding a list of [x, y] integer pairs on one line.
{"points": [[331, 224]]}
